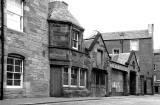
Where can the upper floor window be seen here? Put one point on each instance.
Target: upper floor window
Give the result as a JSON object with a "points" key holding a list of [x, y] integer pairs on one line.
{"points": [[15, 14], [14, 72], [134, 45], [75, 40], [133, 64], [116, 51], [99, 57], [154, 67]]}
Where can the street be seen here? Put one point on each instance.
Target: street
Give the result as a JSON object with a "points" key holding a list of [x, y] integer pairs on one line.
{"points": [[121, 100]]}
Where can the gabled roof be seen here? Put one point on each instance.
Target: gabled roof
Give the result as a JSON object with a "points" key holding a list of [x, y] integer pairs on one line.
{"points": [[90, 42], [59, 12], [136, 34], [123, 58]]}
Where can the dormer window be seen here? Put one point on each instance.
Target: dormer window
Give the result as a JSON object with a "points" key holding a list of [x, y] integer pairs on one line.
{"points": [[75, 40]]}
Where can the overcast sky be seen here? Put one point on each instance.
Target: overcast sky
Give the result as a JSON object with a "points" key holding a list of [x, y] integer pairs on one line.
{"points": [[117, 15]]}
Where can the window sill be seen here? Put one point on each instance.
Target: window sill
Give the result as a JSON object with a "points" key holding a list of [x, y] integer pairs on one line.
{"points": [[13, 87], [15, 31]]}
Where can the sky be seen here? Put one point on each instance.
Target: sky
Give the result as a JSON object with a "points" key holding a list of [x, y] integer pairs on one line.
{"points": [[117, 15]]}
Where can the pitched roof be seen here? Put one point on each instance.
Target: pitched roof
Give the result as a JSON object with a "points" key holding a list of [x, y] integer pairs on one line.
{"points": [[59, 12], [121, 58], [136, 34]]}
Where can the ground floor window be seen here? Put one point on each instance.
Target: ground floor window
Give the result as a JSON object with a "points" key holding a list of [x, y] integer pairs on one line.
{"points": [[74, 77], [14, 72]]}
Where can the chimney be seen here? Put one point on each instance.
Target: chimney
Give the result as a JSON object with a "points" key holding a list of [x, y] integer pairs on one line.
{"points": [[150, 28], [57, 4]]}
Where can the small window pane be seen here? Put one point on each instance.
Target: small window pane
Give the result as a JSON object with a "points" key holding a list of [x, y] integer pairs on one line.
{"points": [[10, 68], [9, 61], [17, 75], [82, 78], [17, 82], [9, 82], [17, 69], [10, 75], [18, 62], [74, 76], [65, 76]]}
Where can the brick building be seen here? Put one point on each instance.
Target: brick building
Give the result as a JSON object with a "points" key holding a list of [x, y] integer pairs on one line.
{"points": [[141, 42], [156, 68], [26, 63]]}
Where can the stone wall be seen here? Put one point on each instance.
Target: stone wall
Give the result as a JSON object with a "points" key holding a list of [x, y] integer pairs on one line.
{"points": [[32, 43]]}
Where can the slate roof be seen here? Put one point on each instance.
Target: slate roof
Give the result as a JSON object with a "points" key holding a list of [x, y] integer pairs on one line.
{"points": [[88, 43], [61, 13], [121, 58], [136, 34]]}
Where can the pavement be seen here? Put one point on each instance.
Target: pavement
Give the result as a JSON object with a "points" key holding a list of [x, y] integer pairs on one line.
{"points": [[46, 100], [116, 100]]}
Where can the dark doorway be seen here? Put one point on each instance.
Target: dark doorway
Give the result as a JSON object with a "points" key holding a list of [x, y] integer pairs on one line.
{"points": [[132, 82], [156, 89], [56, 81]]}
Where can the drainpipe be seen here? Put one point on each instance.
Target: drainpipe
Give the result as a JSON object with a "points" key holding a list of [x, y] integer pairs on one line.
{"points": [[2, 43]]}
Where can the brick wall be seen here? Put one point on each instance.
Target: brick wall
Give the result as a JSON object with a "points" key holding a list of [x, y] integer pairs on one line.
{"points": [[33, 45]]}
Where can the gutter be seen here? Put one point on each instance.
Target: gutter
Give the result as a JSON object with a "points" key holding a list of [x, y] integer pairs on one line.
{"points": [[2, 45]]}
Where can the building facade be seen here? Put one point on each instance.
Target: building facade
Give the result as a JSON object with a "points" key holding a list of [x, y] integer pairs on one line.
{"points": [[69, 64], [26, 63], [156, 68], [139, 41], [100, 69]]}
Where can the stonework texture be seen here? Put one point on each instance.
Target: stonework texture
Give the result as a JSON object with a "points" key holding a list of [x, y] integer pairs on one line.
{"points": [[32, 43]]}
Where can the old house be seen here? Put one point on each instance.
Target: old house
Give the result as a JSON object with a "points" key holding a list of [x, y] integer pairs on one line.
{"points": [[139, 41], [156, 68], [99, 56], [124, 74], [69, 64], [26, 63]]}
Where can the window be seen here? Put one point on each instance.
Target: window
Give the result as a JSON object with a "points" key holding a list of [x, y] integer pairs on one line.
{"points": [[15, 14], [65, 76], [154, 78], [116, 51], [82, 77], [75, 40], [134, 45], [14, 72], [133, 64], [154, 67], [74, 77], [99, 57]]}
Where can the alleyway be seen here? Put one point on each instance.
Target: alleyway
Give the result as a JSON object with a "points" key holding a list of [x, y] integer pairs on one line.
{"points": [[128, 100]]}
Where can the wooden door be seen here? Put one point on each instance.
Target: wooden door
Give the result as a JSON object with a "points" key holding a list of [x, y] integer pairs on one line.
{"points": [[56, 81]]}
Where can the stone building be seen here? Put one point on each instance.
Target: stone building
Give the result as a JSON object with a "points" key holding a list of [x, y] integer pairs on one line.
{"points": [[141, 42], [69, 64], [99, 56], [124, 74], [26, 63], [156, 68]]}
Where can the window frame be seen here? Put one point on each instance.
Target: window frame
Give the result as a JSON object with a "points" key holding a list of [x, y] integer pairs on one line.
{"points": [[84, 78], [115, 49], [134, 40], [21, 17], [75, 32], [78, 77], [22, 70]]}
